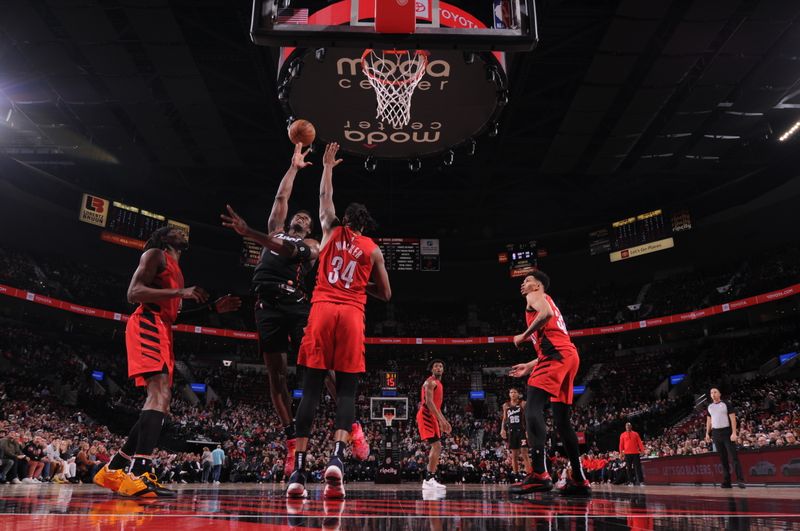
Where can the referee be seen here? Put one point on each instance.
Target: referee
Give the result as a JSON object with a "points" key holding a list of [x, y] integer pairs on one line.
{"points": [[721, 428]]}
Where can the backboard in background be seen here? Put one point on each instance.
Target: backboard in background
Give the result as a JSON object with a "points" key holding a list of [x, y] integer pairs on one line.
{"points": [[474, 25], [464, 86], [377, 405]]}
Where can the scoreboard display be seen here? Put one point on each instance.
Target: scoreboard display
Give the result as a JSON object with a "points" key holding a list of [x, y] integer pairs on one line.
{"points": [[410, 254], [124, 224], [522, 258], [251, 252], [640, 234], [133, 222], [638, 230]]}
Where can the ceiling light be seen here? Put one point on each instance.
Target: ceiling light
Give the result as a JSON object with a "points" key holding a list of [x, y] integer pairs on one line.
{"points": [[788, 134]]}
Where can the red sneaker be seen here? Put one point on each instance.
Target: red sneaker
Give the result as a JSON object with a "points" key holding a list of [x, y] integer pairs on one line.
{"points": [[288, 466], [533, 483], [360, 444]]}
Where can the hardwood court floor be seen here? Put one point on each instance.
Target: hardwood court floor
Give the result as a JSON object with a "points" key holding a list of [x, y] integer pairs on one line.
{"points": [[399, 507]]}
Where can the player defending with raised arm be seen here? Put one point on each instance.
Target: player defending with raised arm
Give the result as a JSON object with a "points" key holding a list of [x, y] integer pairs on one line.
{"points": [[551, 379], [431, 423], [157, 286], [350, 267], [512, 430]]}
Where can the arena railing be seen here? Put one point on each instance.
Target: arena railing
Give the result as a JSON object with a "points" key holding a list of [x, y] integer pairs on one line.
{"points": [[704, 313]]}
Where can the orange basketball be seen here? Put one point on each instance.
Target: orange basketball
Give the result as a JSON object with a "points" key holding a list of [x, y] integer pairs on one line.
{"points": [[302, 131]]}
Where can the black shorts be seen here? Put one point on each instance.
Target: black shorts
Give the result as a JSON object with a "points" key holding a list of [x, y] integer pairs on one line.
{"points": [[280, 323], [516, 439]]}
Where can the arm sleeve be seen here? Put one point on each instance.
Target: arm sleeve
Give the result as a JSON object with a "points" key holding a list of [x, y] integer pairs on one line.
{"points": [[731, 409]]}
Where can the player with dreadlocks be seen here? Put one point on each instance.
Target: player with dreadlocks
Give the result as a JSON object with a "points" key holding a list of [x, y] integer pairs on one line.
{"points": [[157, 287]]}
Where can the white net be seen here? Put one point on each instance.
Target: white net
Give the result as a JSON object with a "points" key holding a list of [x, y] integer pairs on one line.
{"points": [[394, 74]]}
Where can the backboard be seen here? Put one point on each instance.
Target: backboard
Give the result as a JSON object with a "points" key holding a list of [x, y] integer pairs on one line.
{"points": [[386, 104], [377, 405], [473, 25]]}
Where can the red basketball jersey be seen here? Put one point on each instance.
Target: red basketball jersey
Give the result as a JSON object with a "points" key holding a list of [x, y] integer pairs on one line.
{"points": [[170, 277], [552, 340], [438, 393], [345, 265]]}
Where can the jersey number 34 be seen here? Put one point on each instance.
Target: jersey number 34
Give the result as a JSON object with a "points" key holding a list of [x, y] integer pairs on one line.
{"points": [[346, 276]]}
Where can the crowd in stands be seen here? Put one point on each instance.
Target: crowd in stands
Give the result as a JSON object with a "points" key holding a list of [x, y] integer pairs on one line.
{"points": [[71, 446], [668, 293], [768, 414], [45, 378]]}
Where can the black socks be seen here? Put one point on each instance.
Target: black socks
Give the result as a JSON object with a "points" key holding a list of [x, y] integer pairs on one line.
{"points": [[119, 461], [299, 460], [338, 450], [141, 464]]}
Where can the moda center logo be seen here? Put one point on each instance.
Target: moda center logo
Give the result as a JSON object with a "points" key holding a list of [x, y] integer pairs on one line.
{"points": [[371, 133], [350, 67]]}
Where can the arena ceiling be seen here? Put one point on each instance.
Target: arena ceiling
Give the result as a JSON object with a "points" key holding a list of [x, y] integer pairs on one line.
{"points": [[625, 105]]}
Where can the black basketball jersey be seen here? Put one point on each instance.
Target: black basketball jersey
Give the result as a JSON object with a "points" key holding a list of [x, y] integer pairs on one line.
{"points": [[514, 417], [273, 269]]}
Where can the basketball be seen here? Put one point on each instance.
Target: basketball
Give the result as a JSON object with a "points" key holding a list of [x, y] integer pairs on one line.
{"points": [[302, 131]]}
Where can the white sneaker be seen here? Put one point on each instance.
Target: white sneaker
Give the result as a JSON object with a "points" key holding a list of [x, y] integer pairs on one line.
{"points": [[15, 481], [216, 483], [29, 481], [432, 484], [433, 494]]}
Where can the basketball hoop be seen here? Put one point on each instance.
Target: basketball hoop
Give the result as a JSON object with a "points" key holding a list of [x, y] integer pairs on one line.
{"points": [[394, 74], [388, 416]]}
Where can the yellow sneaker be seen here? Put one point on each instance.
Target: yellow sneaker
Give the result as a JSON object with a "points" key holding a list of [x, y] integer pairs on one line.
{"points": [[144, 486], [109, 479]]}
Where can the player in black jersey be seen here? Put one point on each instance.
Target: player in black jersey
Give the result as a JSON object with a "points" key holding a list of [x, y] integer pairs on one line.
{"points": [[282, 302], [512, 430]]}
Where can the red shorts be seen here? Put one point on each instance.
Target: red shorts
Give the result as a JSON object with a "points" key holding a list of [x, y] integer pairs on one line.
{"points": [[333, 338], [428, 426], [149, 343], [556, 376]]}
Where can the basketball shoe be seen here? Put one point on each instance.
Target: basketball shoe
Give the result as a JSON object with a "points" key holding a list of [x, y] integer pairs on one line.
{"points": [[431, 483], [109, 479], [360, 444], [334, 479], [297, 485], [533, 483], [144, 486]]}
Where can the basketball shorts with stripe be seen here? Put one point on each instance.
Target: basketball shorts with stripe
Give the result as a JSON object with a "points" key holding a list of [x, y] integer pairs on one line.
{"points": [[148, 340], [428, 426]]}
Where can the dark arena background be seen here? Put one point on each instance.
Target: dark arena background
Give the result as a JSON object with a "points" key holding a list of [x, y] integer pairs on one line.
{"points": [[643, 154]]}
